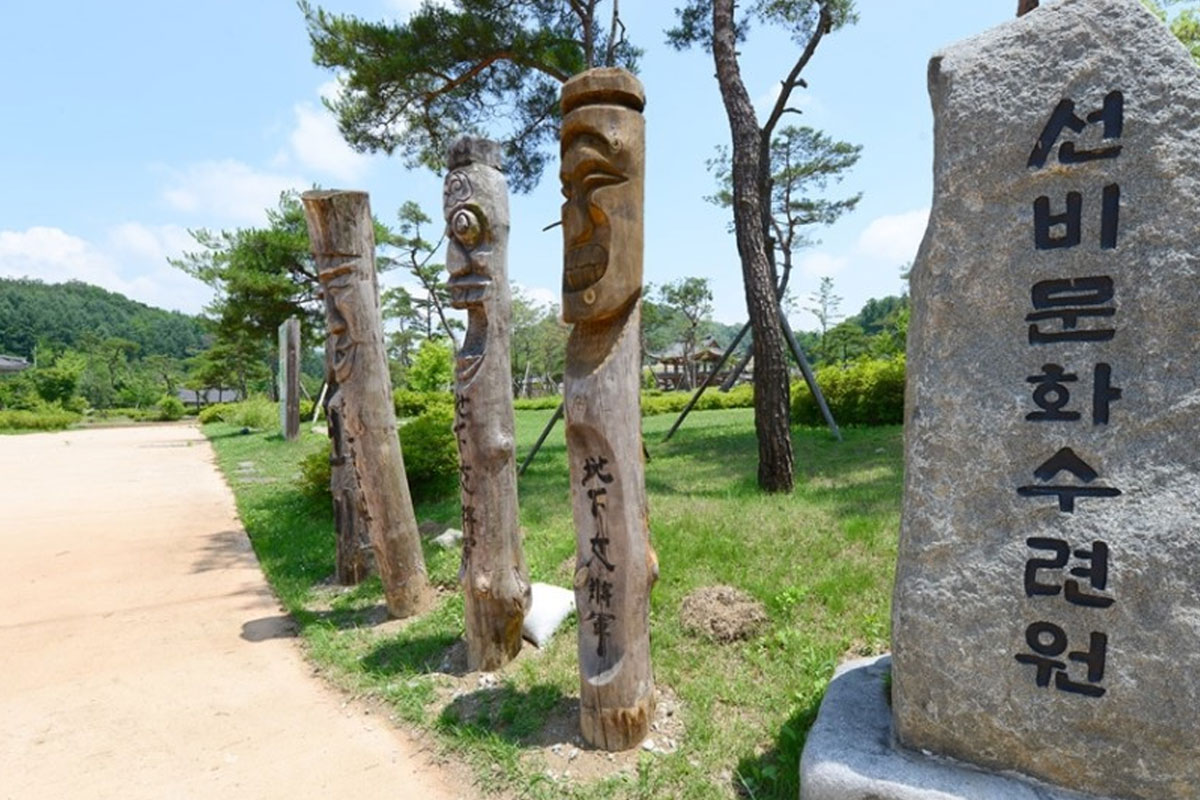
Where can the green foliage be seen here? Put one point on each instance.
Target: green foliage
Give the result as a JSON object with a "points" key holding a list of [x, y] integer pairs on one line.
{"points": [[432, 369], [170, 408], [538, 345], [748, 706], [1184, 23], [548, 401], [864, 392], [410, 403], [46, 418], [64, 315], [217, 412], [656, 402], [257, 411], [430, 453], [315, 473], [467, 65]]}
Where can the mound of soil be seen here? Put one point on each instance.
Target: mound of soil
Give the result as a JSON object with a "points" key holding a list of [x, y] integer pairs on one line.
{"points": [[722, 613]]}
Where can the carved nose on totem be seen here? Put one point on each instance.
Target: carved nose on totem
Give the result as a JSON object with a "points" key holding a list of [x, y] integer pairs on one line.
{"points": [[578, 222]]}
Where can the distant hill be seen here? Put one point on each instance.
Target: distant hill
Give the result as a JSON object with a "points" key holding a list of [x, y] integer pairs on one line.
{"points": [[63, 314]]}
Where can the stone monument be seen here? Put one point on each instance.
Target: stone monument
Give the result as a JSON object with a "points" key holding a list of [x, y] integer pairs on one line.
{"points": [[1046, 630], [493, 574], [342, 236], [603, 168], [289, 379]]}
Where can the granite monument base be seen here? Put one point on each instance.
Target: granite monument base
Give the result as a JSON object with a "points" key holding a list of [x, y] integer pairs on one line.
{"points": [[851, 753]]}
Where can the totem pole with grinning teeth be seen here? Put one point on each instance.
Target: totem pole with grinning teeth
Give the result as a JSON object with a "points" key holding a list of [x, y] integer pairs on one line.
{"points": [[493, 574], [603, 167]]}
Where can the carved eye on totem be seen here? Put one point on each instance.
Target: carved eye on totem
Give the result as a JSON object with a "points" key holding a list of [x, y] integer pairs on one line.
{"points": [[466, 227]]}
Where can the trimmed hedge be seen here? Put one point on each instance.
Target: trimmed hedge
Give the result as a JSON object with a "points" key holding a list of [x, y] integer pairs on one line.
{"points": [[864, 392], [547, 402], [43, 419]]}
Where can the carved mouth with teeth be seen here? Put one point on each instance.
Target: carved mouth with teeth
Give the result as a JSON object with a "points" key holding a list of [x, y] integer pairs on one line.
{"points": [[584, 266]]}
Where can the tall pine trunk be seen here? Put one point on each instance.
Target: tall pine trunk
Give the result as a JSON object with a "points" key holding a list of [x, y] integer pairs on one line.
{"points": [[771, 401]]}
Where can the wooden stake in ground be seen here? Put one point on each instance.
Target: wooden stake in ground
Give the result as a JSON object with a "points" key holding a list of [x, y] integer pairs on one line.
{"points": [[493, 574], [603, 168], [354, 557], [289, 379], [343, 242]]}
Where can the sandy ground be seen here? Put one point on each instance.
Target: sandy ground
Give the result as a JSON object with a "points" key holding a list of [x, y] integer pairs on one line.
{"points": [[142, 654]]}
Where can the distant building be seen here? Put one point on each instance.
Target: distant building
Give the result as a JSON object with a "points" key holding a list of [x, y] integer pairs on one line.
{"points": [[208, 396], [672, 370], [13, 364]]}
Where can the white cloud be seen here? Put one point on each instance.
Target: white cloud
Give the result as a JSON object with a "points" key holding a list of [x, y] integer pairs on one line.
{"points": [[819, 264], [151, 243], [540, 295], [317, 144], [52, 255], [894, 238], [228, 190]]}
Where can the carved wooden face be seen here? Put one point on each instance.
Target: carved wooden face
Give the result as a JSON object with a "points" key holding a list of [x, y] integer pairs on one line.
{"points": [[603, 161], [475, 201], [470, 235], [338, 284]]}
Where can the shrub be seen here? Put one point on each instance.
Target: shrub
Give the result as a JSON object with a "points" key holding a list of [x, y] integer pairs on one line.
{"points": [[257, 411], [432, 369], [864, 392], [306, 408], [431, 453], [47, 418], [410, 403], [315, 472], [170, 408], [215, 413]]}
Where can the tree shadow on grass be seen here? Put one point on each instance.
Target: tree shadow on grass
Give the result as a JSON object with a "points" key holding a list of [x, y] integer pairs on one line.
{"points": [[436, 652], [540, 716], [775, 773]]}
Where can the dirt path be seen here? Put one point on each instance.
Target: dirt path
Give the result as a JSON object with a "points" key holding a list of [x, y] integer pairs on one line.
{"points": [[133, 661]]}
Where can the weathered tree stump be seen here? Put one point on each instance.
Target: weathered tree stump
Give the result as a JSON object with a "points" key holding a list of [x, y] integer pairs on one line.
{"points": [[343, 243], [603, 167], [354, 555], [493, 574]]}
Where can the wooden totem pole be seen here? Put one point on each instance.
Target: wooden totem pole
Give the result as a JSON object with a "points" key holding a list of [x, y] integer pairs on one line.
{"points": [[354, 557], [289, 379], [493, 575], [342, 236], [603, 167]]}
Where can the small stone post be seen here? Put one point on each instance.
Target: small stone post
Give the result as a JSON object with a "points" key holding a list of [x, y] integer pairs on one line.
{"points": [[342, 236], [493, 574], [603, 168], [289, 379]]}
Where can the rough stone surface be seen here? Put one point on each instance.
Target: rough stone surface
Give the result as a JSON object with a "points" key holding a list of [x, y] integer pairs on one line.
{"points": [[850, 753], [962, 611]]}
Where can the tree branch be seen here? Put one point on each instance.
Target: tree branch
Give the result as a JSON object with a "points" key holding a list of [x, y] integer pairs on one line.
{"points": [[824, 24]]}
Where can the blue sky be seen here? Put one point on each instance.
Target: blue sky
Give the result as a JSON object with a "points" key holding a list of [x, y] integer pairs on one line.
{"points": [[128, 123]]}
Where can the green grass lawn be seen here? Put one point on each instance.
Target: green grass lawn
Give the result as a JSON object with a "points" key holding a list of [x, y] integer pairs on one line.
{"points": [[821, 561]]}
